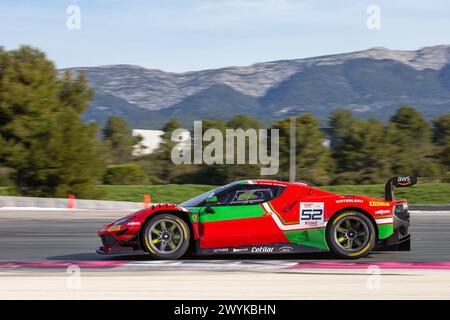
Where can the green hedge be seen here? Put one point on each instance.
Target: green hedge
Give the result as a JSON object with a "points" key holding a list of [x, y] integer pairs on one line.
{"points": [[422, 193], [124, 174]]}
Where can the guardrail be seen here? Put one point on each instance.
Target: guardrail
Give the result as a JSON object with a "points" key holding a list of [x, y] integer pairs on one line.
{"points": [[9, 201]]}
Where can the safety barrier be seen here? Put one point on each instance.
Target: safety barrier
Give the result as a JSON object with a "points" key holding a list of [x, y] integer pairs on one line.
{"points": [[71, 202]]}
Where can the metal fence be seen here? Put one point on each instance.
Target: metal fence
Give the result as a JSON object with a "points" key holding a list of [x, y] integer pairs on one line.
{"points": [[7, 201]]}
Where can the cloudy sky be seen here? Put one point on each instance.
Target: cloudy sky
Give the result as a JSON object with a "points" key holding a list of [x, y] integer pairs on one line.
{"points": [[183, 35]]}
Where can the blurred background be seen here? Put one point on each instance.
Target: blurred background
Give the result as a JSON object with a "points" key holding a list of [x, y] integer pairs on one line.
{"points": [[90, 92]]}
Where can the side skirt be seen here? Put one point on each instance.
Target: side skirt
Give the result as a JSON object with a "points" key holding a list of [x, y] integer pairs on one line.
{"points": [[277, 248]]}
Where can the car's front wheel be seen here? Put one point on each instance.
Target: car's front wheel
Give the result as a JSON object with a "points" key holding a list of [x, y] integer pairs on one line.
{"points": [[166, 236], [351, 235]]}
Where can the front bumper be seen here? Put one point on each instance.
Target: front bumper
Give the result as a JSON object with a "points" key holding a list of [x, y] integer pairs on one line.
{"points": [[119, 239], [112, 245], [400, 240]]}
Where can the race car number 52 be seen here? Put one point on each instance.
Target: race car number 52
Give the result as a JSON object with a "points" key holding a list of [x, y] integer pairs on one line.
{"points": [[311, 213]]}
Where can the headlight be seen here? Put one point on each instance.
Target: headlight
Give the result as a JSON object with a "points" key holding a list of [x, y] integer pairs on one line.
{"points": [[122, 221]]}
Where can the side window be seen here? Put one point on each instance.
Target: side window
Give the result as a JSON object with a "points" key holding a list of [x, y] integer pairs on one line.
{"points": [[250, 194], [224, 198]]}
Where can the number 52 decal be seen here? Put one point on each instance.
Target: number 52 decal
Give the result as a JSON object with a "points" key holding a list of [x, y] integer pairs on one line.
{"points": [[311, 213]]}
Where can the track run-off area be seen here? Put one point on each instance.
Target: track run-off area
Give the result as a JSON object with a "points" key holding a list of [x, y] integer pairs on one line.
{"points": [[51, 254]]}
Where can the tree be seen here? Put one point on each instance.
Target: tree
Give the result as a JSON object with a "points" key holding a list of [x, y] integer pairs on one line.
{"points": [[361, 153], [359, 148], [118, 140], [243, 122], [411, 147], [441, 129], [313, 162], [167, 143], [68, 160], [161, 161], [441, 138], [247, 170], [214, 174], [42, 137], [340, 122]]}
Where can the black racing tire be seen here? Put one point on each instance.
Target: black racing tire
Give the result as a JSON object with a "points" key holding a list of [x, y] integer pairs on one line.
{"points": [[351, 235], [166, 236]]}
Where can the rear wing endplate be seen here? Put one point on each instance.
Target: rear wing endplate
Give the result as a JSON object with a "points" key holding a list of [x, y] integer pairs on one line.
{"points": [[399, 182]]}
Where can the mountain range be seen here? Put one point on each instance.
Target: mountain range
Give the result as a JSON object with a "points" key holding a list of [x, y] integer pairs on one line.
{"points": [[373, 83]]}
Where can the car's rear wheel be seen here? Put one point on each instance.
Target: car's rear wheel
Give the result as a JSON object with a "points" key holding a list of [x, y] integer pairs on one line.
{"points": [[166, 236], [351, 235]]}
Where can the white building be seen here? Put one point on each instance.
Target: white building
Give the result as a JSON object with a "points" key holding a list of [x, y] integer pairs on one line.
{"points": [[150, 141]]}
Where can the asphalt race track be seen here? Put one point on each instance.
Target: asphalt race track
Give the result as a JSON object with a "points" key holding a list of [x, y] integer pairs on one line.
{"points": [[71, 236], [38, 248]]}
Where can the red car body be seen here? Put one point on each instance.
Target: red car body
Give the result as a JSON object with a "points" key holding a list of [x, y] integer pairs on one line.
{"points": [[295, 220]]}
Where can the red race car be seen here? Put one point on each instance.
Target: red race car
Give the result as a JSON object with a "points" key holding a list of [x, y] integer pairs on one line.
{"points": [[265, 216]]}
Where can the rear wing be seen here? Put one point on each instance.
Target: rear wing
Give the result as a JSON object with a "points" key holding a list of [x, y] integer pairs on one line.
{"points": [[399, 182]]}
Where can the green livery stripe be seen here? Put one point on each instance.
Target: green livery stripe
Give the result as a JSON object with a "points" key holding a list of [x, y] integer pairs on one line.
{"points": [[314, 237], [385, 231], [232, 213]]}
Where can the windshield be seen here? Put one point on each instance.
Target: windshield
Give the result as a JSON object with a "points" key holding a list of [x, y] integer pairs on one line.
{"points": [[198, 200]]}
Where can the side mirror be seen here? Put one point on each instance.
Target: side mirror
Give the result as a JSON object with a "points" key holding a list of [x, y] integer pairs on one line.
{"points": [[211, 201]]}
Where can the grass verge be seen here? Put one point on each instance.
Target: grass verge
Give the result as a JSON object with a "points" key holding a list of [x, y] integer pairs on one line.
{"points": [[426, 193], [422, 193]]}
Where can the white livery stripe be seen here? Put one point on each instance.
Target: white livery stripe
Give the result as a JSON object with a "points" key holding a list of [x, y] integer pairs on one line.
{"points": [[267, 208], [286, 227], [385, 221]]}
